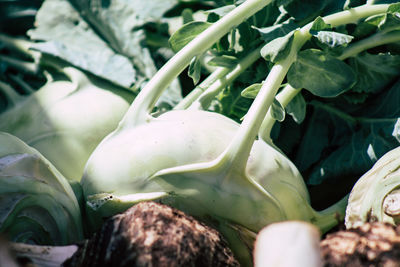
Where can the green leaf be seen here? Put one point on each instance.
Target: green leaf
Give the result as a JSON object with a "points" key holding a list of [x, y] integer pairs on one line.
{"points": [[278, 48], [319, 25], [323, 33], [223, 61], [187, 33], [221, 11], [374, 72], [333, 39], [194, 71], [251, 91], [272, 32], [277, 111], [321, 74], [394, 8], [297, 108]]}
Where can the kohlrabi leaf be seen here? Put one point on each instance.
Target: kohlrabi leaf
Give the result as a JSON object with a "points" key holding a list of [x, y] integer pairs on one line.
{"points": [[272, 32], [394, 8], [374, 71], [297, 108], [223, 61], [321, 74], [220, 11], [187, 33], [302, 10], [194, 70], [278, 48], [277, 111], [251, 91], [313, 142], [319, 25], [324, 33], [364, 147], [102, 38]]}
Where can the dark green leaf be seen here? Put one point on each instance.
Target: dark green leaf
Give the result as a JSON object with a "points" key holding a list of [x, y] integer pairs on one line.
{"points": [[251, 91], [194, 70], [297, 108], [187, 33], [277, 111], [314, 141], [358, 154], [223, 61], [321, 74], [278, 48], [221, 11], [374, 72]]}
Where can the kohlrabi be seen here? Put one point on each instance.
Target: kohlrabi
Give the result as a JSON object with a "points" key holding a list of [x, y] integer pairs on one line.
{"points": [[202, 162], [37, 203], [66, 118], [376, 196]]}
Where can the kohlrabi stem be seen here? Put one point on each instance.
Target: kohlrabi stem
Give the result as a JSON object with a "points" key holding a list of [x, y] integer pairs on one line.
{"points": [[199, 89], [239, 149], [27, 89], [24, 66], [12, 97], [204, 100], [379, 38], [284, 97], [288, 92], [19, 45], [143, 104], [330, 217]]}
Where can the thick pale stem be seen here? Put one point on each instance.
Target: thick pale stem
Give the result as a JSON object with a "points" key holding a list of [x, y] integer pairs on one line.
{"points": [[284, 97], [329, 217], [198, 90], [20, 45], [344, 17], [203, 101], [239, 149], [139, 111], [24, 85], [12, 97], [26, 67], [370, 42]]}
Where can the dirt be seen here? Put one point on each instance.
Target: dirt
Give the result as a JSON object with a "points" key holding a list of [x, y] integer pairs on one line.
{"points": [[373, 244], [152, 234]]}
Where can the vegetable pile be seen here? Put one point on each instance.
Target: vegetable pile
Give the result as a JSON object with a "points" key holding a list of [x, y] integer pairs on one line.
{"points": [[239, 113]]}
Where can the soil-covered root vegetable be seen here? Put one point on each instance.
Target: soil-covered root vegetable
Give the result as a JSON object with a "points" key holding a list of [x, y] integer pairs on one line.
{"points": [[372, 244], [38, 205], [375, 196], [152, 234], [67, 118], [288, 244]]}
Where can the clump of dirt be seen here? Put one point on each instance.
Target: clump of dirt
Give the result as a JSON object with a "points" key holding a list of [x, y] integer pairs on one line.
{"points": [[152, 234], [373, 244]]}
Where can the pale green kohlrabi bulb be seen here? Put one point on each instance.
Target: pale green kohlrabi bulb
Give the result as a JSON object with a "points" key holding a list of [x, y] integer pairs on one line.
{"points": [[130, 161], [376, 195], [67, 118], [37, 204]]}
